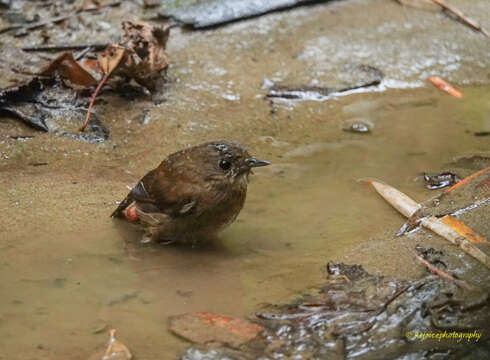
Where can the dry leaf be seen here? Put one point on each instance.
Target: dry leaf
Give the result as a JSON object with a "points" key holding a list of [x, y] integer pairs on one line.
{"points": [[397, 199], [66, 67], [110, 59], [407, 207], [445, 86], [463, 230]]}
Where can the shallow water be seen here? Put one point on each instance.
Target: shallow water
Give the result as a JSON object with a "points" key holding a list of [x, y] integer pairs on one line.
{"points": [[67, 280], [68, 272]]}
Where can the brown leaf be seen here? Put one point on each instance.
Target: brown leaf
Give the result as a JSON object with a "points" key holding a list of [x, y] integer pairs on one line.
{"points": [[66, 67], [110, 59], [203, 327], [146, 58], [463, 229]]}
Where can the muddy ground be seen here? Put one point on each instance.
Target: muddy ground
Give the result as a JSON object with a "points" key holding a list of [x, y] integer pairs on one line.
{"points": [[69, 272]]}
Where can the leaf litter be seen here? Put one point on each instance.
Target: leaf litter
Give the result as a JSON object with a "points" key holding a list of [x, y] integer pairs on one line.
{"points": [[54, 97]]}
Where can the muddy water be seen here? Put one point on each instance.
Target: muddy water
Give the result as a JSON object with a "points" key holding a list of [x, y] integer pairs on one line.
{"points": [[69, 272]]}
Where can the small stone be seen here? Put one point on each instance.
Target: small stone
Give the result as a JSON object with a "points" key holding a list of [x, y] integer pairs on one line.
{"points": [[361, 126]]}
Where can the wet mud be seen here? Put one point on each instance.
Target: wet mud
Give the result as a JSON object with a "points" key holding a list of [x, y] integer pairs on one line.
{"points": [[69, 273], [357, 315]]}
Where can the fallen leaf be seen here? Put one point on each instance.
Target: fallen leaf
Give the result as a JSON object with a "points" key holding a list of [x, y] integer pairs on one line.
{"points": [[110, 59], [407, 207], [463, 230], [66, 67], [203, 327], [445, 86], [396, 198]]}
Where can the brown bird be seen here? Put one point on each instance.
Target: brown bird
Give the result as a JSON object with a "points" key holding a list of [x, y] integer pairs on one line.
{"points": [[193, 194]]}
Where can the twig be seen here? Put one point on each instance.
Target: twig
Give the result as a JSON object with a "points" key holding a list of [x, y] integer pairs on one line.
{"points": [[459, 14], [466, 179], [57, 19], [82, 53], [39, 23], [64, 47], [408, 207], [87, 117], [432, 268]]}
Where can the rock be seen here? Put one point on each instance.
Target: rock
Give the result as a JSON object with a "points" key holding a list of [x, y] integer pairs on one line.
{"points": [[202, 328]]}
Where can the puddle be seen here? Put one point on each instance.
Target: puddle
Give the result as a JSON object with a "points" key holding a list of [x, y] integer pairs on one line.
{"points": [[67, 272]]}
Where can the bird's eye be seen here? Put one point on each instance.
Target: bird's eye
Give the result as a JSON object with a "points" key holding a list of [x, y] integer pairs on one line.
{"points": [[225, 165]]}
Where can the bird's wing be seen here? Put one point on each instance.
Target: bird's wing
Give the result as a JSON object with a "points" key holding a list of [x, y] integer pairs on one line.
{"points": [[174, 193], [163, 193], [137, 193]]}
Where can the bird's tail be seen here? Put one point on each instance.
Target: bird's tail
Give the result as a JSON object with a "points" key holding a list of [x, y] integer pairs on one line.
{"points": [[119, 212]]}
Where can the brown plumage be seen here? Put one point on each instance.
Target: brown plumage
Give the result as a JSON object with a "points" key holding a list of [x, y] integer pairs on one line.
{"points": [[192, 194]]}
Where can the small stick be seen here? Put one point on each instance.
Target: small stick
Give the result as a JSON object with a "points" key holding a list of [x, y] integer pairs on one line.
{"points": [[57, 19], [108, 68], [432, 268], [459, 14], [64, 47], [87, 117], [466, 179], [39, 23]]}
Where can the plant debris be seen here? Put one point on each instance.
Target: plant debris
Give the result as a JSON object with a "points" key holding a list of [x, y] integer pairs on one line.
{"points": [[461, 17], [358, 77], [445, 86], [44, 98], [442, 180], [363, 316], [452, 230], [67, 68], [24, 28], [140, 55], [51, 106]]}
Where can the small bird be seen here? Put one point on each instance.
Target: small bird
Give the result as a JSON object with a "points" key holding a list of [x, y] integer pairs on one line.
{"points": [[192, 195]]}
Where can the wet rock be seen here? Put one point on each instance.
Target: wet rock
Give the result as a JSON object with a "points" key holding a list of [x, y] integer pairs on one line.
{"points": [[360, 126], [202, 328], [216, 354], [357, 315], [203, 14]]}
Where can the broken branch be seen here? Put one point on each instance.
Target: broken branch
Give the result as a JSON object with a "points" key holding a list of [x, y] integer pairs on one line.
{"points": [[109, 62], [432, 268], [64, 47], [459, 14], [407, 207]]}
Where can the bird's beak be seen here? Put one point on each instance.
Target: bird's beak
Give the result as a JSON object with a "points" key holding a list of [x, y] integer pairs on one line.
{"points": [[253, 162]]}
